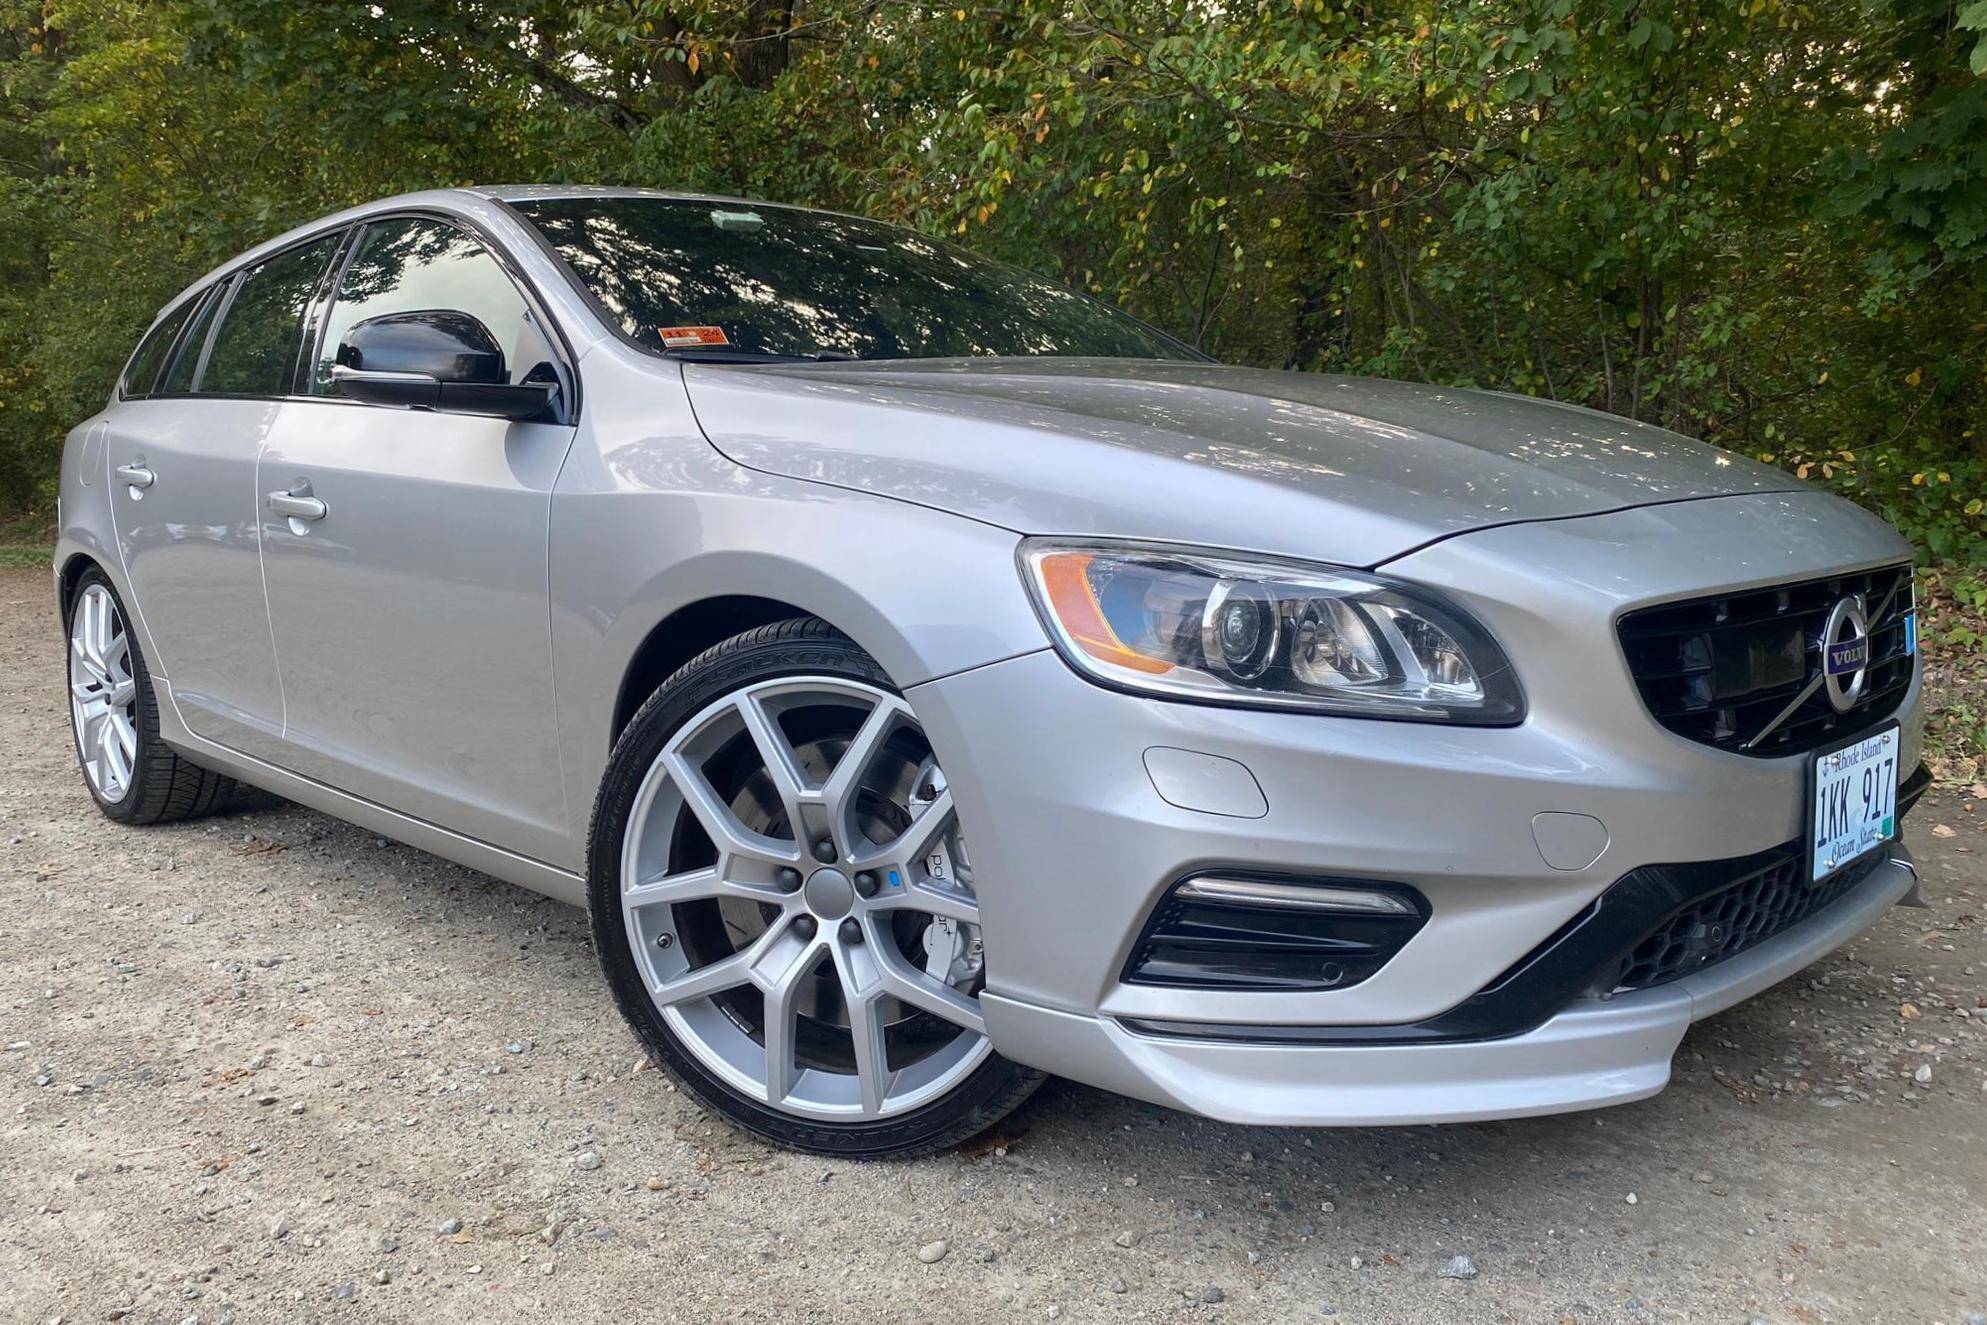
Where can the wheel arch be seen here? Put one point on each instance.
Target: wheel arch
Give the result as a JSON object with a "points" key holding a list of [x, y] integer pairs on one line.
{"points": [[633, 599], [728, 590], [899, 619], [685, 633], [69, 575]]}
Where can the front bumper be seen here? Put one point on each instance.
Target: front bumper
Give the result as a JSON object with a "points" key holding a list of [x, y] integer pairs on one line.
{"points": [[1595, 1053], [1075, 836]]}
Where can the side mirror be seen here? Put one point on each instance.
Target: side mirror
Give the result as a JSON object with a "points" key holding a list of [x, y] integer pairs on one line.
{"points": [[434, 359]]}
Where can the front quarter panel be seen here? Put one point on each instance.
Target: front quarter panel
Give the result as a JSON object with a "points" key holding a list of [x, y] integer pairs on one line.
{"points": [[648, 518]]}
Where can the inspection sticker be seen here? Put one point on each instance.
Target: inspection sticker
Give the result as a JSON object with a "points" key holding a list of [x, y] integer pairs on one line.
{"points": [[676, 338]]}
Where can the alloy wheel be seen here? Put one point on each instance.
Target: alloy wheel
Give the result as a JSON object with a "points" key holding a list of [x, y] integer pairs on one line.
{"points": [[799, 901], [103, 694]]}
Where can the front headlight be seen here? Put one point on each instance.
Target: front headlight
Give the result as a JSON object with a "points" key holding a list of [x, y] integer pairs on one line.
{"points": [[1232, 630]]}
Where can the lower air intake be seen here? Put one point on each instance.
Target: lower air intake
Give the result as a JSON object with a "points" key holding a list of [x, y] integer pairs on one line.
{"points": [[1257, 932], [1742, 915]]}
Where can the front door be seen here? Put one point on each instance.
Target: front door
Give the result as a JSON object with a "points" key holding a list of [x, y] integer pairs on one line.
{"points": [[405, 557]]}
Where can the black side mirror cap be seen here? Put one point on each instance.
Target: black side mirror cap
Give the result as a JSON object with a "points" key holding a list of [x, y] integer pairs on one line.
{"points": [[434, 359]]}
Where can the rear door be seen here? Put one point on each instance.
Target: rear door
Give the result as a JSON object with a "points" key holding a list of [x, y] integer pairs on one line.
{"points": [[182, 461], [411, 615]]}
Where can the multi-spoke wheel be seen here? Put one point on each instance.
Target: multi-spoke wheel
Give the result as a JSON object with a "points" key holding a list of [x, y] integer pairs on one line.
{"points": [[103, 696], [133, 775], [786, 905]]}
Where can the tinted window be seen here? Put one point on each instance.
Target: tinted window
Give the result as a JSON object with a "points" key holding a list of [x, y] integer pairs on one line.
{"points": [[775, 280], [412, 264], [143, 370], [179, 377], [255, 350]]}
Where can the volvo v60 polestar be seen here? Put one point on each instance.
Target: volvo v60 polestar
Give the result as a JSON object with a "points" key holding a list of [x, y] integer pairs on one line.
{"points": [[929, 678]]}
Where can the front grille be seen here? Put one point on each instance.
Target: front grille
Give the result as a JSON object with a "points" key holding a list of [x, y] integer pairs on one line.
{"points": [[1721, 670], [1750, 911]]}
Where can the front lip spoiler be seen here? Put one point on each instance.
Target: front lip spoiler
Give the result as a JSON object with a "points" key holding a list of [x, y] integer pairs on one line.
{"points": [[1566, 966], [1593, 1054]]}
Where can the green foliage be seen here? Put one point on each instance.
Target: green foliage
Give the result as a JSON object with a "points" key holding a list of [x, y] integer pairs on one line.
{"points": [[23, 556], [1952, 604], [1759, 222]]}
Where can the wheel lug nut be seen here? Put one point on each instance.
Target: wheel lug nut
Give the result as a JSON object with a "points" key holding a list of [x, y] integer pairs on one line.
{"points": [[851, 930], [866, 883], [824, 850], [803, 926], [788, 879]]}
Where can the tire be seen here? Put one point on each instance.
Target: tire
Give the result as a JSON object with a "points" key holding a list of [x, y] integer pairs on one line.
{"points": [[808, 666], [151, 783]]}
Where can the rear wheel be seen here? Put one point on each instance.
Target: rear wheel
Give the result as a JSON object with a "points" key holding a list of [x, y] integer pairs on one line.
{"points": [[133, 776], [785, 906]]}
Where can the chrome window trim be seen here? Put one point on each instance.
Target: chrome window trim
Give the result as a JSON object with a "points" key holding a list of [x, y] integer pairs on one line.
{"points": [[1321, 895]]}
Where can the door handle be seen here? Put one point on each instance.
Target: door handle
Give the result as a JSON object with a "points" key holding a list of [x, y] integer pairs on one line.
{"points": [[136, 475], [297, 507]]}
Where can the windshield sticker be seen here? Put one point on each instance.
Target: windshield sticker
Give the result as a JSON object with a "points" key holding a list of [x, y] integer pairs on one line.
{"points": [[676, 338], [725, 220]]}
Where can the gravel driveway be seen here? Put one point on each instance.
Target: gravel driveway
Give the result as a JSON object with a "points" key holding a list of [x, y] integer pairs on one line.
{"points": [[268, 1067]]}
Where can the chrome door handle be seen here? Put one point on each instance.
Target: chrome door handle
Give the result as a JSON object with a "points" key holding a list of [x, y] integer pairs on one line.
{"points": [[296, 507], [136, 475]]}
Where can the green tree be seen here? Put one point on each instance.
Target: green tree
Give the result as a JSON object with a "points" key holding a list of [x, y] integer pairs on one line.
{"points": [[1759, 222]]}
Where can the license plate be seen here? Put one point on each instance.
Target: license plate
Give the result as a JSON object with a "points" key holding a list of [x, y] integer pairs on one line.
{"points": [[1853, 802]]}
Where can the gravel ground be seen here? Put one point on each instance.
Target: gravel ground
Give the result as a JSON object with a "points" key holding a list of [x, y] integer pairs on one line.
{"points": [[268, 1067]]}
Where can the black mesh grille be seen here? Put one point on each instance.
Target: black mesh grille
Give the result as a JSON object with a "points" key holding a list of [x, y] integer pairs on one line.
{"points": [[1735, 918], [1718, 670]]}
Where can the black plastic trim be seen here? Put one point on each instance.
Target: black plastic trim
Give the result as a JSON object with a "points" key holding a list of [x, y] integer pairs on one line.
{"points": [[1585, 951], [182, 345], [1234, 945], [1704, 660]]}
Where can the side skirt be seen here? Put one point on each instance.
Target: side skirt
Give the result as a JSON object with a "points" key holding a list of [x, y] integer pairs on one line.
{"points": [[539, 877]]}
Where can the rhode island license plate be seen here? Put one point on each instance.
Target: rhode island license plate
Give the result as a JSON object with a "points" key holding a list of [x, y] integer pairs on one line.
{"points": [[1853, 797]]}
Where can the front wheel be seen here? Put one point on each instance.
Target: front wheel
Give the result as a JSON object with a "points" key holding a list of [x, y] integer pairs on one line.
{"points": [[784, 905]]}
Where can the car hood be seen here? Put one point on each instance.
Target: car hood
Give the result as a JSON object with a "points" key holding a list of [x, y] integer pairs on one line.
{"points": [[1341, 469]]}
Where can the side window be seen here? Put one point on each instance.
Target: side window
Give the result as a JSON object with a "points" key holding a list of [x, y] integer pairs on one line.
{"points": [[413, 264], [179, 378], [255, 350], [143, 371]]}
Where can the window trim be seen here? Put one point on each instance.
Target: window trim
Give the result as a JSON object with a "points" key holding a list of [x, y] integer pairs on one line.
{"points": [[208, 299], [318, 310], [194, 303], [190, 307], [225, 283], [564, 361], [235, 283]]}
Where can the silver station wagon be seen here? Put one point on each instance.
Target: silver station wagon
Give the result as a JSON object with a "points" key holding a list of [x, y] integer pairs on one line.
{"points": [[929, 678]]}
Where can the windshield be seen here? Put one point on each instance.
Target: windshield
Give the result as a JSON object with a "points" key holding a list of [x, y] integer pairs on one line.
{"points": [[725, 279]]}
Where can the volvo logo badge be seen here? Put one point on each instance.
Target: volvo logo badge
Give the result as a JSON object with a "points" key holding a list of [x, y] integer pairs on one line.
{"points": [[1845, 653]]}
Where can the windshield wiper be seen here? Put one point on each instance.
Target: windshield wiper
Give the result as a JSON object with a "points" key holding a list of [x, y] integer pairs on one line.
{"points": [[732, 354]]}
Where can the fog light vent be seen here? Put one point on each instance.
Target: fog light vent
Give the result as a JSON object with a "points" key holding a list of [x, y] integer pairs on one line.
{"points": [[1251, 931]]}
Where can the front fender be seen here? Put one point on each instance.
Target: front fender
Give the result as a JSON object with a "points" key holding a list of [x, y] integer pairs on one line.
{"points": [[640, 533]]}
